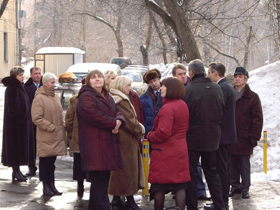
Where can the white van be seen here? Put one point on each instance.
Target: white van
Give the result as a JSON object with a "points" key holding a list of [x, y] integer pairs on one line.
{"points": [[67, 90]]}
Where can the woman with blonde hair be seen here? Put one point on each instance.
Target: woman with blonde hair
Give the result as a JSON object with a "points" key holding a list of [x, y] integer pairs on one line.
{"points": [[109, 76], [47, 115], [130, 179]]}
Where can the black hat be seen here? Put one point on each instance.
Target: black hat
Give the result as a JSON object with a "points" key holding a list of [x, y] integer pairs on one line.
{"points": [[241, 70], [151, 74]]}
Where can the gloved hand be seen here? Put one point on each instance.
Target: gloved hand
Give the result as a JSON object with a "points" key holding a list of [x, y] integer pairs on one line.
{"points": [[253, 142]]}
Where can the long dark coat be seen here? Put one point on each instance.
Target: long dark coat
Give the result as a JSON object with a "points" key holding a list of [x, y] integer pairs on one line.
{"points": [[206, 102], [249, 122], [131, 178], [97, 115], [228, 127], [17, 126]]}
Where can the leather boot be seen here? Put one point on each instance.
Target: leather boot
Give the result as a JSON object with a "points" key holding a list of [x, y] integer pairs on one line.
{"points": [[54, 190], [16, 175], [47, 189], [118, 202], [80, 189], [130, 203]]}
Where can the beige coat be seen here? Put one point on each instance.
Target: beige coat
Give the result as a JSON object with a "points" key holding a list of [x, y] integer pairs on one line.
{"points": [[130, 179], [47, 115], [71, 125]]}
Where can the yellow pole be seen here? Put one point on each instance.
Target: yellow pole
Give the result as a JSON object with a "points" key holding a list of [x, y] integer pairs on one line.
{"points": [[145, 157], [265, 152]]}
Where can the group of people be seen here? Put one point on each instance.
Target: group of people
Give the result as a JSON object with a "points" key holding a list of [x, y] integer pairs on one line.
{"points": [[191, 123]]}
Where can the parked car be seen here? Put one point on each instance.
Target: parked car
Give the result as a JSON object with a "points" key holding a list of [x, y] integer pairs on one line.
{"points": [[67, 89], [138, 84], [143, 69], [121, 61]]}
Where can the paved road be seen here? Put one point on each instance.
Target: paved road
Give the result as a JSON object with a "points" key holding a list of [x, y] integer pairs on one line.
{"points": [[28, 196]]}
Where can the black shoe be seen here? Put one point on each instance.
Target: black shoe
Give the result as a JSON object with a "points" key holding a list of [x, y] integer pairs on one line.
{"points": [[16, 175], [130, 203], [118, 202], [31, 173], [233, 192], [54, 190], [80, 190], [210, 206], [245, 195], [47, 189], [204, 198]]}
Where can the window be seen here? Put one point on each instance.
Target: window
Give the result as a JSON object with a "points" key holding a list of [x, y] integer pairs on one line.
{"points": [[5, 47]]}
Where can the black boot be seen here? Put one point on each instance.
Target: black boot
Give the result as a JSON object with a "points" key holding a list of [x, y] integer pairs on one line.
{"points": [[32, 171], [47, 189], [130, 203], [80, 189], [17, 175], [118, 202], [54, 190]]}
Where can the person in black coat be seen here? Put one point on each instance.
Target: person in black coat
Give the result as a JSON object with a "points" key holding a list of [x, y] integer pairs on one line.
{"points": [[17, 126], [206, 102], [32, 84], [216, 72]]}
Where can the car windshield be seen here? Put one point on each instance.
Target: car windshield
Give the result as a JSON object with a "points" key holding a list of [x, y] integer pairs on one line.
{"points": [[136, 77], [80, 76]]}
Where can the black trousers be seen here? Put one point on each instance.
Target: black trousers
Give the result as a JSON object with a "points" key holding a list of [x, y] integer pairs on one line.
{"points": [[32, 150], [223, 168], [208, 163], [240, 167], [98, 199], [46, 169], [78, 174]]}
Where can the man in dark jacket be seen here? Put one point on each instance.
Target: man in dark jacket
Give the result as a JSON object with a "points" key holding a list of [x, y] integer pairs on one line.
{"points": [[151, 99], [249, 123], [205, 101], [216, 72], [32, 84]]}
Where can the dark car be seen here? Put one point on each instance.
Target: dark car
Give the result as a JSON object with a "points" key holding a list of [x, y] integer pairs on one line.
{"points": [[121, 61]]}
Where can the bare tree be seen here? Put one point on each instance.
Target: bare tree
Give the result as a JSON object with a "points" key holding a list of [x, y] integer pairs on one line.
{"points": [[3, 7]]}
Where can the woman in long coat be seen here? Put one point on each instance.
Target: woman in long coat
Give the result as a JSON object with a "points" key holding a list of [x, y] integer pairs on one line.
{"points": [[47, 115], [17, 126], [99, 121], [130, 179], [169, 167]]}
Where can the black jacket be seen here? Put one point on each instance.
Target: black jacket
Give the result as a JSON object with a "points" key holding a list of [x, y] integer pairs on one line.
{"points": [[228, 128], [30, 89], [205, 101]]}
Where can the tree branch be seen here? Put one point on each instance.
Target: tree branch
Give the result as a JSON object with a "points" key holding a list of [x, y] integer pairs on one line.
{"points": [[3, 7]]}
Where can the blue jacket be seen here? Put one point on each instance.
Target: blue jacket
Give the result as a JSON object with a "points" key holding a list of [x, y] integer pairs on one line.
{"points": [[148, 109]]}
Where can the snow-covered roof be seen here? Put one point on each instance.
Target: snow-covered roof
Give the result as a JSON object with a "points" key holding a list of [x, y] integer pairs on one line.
{"points": [[62, 50]]}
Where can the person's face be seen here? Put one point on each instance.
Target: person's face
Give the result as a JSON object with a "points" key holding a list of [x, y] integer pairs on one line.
{"points": [[110, 80], [36, 75], [97, 81], [182, 75], [240, 80], [163, 91], [212, 75], [155, 84], [127, 89], [20, 77], [50, 84]]}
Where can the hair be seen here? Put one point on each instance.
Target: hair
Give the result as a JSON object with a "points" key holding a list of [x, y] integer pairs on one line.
{"points": [[34, 68], [174, 88], [16, 71], [120, 83], [178, 66], [48, 76], [108, 73], [219, 67], [197, 67], [91, 74]]}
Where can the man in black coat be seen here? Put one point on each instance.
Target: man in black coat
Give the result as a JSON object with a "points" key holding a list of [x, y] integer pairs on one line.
{"points": [[249, 123], [216, 72], [205, 102], [32, 84]]}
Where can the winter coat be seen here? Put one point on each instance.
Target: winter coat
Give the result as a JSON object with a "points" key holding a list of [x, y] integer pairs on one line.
{"points": [[206, 102], [135, 100], [169, 156], [249, 122], [228, 128], [47, 115], [17, 124], [131, 178], [30, 89], [71, 125], [148, 109], [97, 116]]}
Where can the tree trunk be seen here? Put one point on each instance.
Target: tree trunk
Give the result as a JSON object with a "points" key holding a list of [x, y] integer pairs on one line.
{"points": [[278, 23], [247, 45]]}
